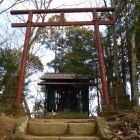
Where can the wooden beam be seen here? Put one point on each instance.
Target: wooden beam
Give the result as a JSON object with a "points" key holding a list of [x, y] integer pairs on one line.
{"points": [[69, 10], [80, 23]]}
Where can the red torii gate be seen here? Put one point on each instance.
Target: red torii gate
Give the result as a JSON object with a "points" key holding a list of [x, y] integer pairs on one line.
{"points": [[62, 22]]}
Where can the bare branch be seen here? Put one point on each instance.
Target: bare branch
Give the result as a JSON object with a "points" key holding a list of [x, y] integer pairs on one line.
{"points": [[15, 3], [1, 1]]}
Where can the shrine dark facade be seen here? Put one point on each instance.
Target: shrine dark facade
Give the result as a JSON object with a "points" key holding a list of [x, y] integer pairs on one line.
{"points": [[66, 92]]}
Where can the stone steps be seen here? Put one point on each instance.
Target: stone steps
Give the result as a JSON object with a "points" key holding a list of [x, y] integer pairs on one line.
{"points": [[62, 138], [62, 129], [57, 129]]}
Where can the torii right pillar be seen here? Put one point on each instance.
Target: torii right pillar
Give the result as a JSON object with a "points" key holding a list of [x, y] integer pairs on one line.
{"points": [[100, 58]]}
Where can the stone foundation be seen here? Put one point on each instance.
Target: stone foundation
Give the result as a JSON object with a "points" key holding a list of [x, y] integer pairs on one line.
{"points": [[66, 115], [119, 98]]}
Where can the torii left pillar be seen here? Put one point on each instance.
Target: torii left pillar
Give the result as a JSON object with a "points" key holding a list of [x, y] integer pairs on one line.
{"points": [[24, 58]]}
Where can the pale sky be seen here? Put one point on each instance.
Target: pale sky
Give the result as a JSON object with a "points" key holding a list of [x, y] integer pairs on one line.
{"points": [[56, 4]]}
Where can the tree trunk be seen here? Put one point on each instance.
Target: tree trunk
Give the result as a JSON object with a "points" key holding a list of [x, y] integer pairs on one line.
{"points": [[27, 107], [134, 70], [116, 72]]}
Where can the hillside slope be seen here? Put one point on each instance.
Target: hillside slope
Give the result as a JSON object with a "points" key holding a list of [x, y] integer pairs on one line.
{"points": [[124, 126]]}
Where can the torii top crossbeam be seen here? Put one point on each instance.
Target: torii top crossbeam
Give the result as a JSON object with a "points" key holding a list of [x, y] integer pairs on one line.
{"points": [[96, 22], [68, 10], [62, 22]]}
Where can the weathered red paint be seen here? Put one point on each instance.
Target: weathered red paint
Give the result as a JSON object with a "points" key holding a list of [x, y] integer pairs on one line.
{"points": [[101, 59], [95, 22], [39, 24], [68, 10], [24, 59], [62, 17]]}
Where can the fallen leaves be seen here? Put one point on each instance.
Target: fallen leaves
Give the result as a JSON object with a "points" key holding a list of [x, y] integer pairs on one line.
{"points": [[125, 127]]}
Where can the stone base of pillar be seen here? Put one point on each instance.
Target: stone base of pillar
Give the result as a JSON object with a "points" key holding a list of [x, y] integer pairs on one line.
{"points": [[119, 98], [108, 111]]}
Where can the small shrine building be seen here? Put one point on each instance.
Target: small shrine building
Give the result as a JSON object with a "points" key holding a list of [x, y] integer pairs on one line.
{"points": [[66, 92]]}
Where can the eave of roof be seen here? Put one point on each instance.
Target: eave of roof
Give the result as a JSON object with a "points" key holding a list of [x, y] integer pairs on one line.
{"points": [[66, 83], [66, 76]]}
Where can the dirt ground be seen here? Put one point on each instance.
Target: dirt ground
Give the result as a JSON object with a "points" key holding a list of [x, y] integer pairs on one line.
{"points": [[124, 126], [7, 126]]}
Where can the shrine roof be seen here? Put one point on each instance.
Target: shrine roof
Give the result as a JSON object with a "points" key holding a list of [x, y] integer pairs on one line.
{"points": [[66, 81], [64, 76]]}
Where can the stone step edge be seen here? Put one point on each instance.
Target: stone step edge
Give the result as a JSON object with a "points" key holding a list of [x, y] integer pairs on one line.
{"points": [[62, 138]]}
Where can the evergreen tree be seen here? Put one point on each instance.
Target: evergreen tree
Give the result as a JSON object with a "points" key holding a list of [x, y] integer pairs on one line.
{"points": [[76, 51], [10, 65]]}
